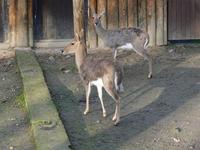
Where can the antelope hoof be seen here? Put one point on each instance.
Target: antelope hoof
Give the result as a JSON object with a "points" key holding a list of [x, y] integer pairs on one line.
{"points": [[86, 112], [116, 122], [104, 114], [114, 118], [149, 76]]}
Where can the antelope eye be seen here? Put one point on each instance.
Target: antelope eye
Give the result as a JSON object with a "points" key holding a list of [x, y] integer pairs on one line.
{"points": [[72, 43]]}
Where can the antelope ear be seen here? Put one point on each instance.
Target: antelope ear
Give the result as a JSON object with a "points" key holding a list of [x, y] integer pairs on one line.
{"points": [[77, 37], [101, 14]]}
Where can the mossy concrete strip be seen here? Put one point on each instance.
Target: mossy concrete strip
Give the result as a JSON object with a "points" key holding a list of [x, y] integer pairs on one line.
{"points": [[48, 130]]}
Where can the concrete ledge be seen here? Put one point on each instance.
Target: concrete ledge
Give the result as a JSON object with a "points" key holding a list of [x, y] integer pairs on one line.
{"points": [[48, 130]]}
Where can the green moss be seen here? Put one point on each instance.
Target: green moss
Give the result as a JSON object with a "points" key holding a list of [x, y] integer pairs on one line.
{"points": [[21, 101]]}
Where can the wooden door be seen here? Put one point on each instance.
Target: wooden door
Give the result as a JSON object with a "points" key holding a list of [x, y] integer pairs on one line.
{"points": [[183, 19], [53, 19]]}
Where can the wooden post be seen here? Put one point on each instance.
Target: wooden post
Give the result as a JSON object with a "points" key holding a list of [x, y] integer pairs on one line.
{"points": [[159, 23], [78, 12], [12, 22], [132, 13], [22, 24], [101, 4], [151, 21], [92, 37]]}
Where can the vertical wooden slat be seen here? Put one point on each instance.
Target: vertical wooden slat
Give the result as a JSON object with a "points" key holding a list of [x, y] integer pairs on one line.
{"points": [[78, 6], [122, 13], [172, 19], [22, 24], [112, 6], [12, 22], [30, 22], [159, 23], [165, 23], [178, 19], [151, 19], [183, 20], [192, 15], [101, 6], [132, 13], [92, 37], [142, 19], [198, 18], [188, 20]]}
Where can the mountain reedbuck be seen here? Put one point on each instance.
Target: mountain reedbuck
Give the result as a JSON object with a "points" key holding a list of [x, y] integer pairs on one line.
{"points": [[99, 72], [129, 38]]}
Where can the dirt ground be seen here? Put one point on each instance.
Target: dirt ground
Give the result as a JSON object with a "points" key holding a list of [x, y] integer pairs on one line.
{"points": [[162, 113], [15, 131]]}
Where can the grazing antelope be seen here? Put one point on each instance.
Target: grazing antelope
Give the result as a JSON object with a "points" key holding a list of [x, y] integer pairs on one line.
{"points": [[99, 72], [129, 38]]}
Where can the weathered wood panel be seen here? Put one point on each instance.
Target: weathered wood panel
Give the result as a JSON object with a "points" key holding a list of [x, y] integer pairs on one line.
{"points": [[123, 13], [132, 13], [165, 23], [78, 6], [22, 24], [92, 37], [184, 19], [151, 16], [142, 18], [12, 22], [101, 6], [112, 14], [159, 22]]}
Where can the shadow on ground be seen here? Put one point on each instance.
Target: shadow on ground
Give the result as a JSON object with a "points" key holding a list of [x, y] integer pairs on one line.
{"points": [[144, 104]]}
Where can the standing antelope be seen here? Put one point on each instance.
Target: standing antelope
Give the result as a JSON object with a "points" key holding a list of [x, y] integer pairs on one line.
{"points": [[99, 72], [130, 38]]}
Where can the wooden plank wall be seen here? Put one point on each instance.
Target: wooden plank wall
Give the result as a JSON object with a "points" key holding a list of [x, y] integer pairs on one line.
{"points": [[184, 19], [150, 15]]}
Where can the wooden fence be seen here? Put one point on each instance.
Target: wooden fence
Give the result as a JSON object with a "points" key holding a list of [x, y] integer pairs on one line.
{"points": [[150, 15]]}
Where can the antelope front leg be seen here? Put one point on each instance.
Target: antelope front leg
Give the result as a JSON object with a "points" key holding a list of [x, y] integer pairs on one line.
{"points": [[114, 51], [143, 52], [88, 90], [115, 114], [149, 59]]}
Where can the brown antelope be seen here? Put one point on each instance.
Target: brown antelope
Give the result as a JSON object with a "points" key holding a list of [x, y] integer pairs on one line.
{"points": [[124, 38], [99, 72]]}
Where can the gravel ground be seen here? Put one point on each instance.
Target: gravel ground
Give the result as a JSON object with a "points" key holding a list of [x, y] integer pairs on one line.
{"points": [[162, 113], [15, 133]]}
